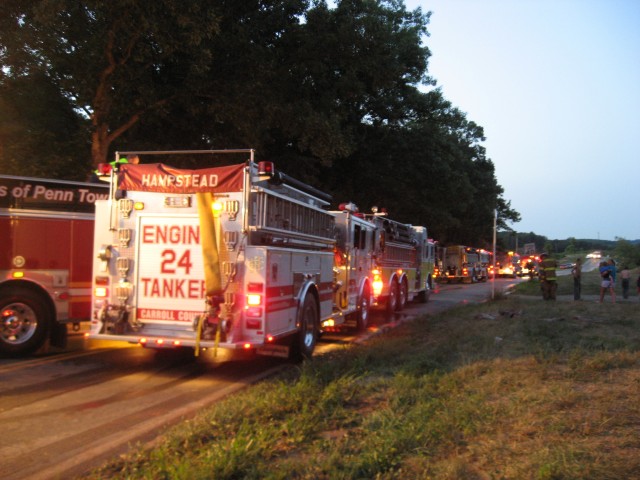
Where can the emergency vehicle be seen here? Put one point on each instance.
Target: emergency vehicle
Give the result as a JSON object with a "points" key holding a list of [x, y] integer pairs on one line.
{"points": [[353, 265], [238, 257], [486, 262], [46, 231], [508, 265], [529, 265], [479, 261], [463, 264], [403, 263]]}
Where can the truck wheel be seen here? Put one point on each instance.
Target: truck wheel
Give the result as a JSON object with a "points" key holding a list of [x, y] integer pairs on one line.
{"points": [[423, 295], [403, 295], [392, 299], [24, 323], [364, 308], [304, 342]]}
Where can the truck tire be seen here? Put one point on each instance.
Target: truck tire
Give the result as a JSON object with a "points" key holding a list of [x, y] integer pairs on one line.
{"points": [[423, 295], [364, 310], [304, 342], [392, 299], [403, 295], [24, 323]]}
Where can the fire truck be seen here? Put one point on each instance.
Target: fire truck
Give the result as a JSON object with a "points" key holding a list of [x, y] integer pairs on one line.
{"points": [[403, 263], [464, 264], [353, 265], [46, 227], [238, 256]]}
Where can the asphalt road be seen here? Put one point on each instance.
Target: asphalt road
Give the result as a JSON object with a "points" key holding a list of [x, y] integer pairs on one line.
{"points": [[65, 412]]}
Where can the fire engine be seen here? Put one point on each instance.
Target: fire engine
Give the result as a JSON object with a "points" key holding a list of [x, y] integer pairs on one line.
{"points": [[508, 265], [464, 264], [403, 263], [478, 260], [353, 265], [46, 227], [238, 256]]}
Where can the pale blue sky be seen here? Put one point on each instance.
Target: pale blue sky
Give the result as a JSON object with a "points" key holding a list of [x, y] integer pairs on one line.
{"points": [[556, 86]]}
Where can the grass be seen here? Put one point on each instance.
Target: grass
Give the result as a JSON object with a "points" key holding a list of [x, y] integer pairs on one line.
{"points": [[590, 285], [513, 389]]}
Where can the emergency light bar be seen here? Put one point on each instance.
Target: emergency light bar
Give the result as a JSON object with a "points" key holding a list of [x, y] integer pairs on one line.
{"points": [[266, 168], [104, 169]]}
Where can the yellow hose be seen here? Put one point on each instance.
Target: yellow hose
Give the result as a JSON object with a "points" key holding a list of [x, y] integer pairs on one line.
{"points": [[215, 345], [198, 334]]}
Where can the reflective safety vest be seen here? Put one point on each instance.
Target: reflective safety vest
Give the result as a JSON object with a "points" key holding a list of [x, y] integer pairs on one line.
{"points": [[548, 266]]}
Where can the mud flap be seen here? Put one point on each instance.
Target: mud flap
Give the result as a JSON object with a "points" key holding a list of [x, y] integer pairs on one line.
{"points": [[280, 351], [58, 337]]}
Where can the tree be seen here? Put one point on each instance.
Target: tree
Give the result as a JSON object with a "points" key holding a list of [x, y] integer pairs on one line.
{"points": [[115, 61], [571, 247], [331, 94], [348, 68], [627, 253]]}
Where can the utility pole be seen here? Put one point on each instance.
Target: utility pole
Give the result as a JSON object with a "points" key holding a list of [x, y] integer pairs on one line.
{"points": [[493, 279]]}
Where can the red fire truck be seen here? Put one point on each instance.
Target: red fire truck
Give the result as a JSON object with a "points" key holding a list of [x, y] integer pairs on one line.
{"points": [[403, 267], [46, 227], [238, 257]]}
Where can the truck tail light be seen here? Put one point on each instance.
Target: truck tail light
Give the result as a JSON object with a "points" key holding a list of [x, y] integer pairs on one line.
{"points": [[254, 294], [253, 308], [377, 283], [254, 300], [101, 292]]}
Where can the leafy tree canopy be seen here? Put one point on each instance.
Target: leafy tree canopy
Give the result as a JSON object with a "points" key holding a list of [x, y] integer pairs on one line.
{"points": [[338, 96]]}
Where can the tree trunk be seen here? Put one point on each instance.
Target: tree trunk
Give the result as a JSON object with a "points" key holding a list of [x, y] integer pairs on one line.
{"points": [[99, 145]]}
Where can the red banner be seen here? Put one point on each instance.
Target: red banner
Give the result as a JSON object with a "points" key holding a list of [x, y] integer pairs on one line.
{"points": [[157, 177]]}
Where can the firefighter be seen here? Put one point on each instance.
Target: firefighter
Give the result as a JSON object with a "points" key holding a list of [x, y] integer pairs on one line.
{"points": [[548, 280]]}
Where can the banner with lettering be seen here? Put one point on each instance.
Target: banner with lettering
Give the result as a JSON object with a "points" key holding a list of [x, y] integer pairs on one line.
{"points": [[157, 177], [24, 193]]}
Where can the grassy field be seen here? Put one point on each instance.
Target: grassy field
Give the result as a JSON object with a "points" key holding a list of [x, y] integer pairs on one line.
{"points": [[516, 388], [590, 285]]}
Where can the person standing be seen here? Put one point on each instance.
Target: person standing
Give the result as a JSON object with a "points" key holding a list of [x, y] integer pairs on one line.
{"points": [[548, 280], [625, 275], [607, 281], [576, 271]]}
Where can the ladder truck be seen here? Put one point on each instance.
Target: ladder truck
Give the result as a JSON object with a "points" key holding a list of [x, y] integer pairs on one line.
{"points": [[239, 257], [46, 227], [403, 267]]}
